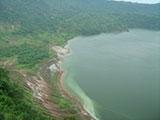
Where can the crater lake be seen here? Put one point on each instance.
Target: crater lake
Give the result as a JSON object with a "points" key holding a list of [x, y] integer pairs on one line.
{"points": [[116, 76]]}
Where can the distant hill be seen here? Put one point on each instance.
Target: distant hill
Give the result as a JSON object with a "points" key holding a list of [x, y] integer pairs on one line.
{"points": [[78, 16], [30, 28]]}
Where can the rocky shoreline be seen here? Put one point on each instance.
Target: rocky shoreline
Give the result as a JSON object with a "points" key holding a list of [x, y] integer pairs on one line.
{"points": [[61, 52], [40, 87]]}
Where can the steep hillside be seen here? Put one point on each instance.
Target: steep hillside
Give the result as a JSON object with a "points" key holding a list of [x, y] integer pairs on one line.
{"points": [[99, 15], [28, 31]]}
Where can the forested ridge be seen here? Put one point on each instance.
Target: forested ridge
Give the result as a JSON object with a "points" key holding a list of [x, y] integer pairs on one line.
{"points": [[80, 17], [29, 28], [44, 22]]}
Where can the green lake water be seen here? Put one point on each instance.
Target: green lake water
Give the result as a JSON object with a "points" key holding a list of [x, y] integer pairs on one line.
{"points": [[116, 76]]}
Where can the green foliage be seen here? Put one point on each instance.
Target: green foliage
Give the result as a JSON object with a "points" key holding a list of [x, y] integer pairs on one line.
{"points": [[26, 54], [29, 27], [41, 23], [14, 103], [61, 102], [71, 117], [75, 16]]}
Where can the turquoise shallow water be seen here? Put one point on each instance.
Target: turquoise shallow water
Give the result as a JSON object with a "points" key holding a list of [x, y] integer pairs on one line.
{"points": [[116, 76]]}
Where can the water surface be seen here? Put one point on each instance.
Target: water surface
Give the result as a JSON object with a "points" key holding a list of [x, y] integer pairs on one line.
{"points": [[116, 76]]}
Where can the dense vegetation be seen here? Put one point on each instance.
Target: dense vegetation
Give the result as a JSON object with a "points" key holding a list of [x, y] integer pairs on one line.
{"points": [[26, 54], [28, 28], [44, 22], [78, 17], [74, 16], [15, 102]]}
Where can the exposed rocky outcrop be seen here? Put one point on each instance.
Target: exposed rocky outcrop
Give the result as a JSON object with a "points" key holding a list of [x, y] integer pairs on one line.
{"points": [[61, 52]]}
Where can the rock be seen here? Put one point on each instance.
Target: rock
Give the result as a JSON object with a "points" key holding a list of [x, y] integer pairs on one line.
{"points": [[60, 51], [53, 68]]}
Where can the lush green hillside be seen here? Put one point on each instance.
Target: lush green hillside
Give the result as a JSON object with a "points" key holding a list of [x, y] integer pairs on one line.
{"points": [[15, 102], [77, 16], [40, 22], [28, 28]]}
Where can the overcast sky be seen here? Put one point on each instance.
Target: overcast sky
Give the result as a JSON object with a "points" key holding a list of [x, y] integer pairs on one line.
{"points": [[142, 1]]}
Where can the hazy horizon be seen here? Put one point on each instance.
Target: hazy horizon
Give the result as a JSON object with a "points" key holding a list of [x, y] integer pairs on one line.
{"points": [[142, 1]]}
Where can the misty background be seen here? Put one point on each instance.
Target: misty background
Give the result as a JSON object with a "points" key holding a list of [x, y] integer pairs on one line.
{"points": [[142, 1]]}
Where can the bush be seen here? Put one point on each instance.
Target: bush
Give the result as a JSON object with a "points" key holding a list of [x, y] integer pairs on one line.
{"points": [[14, 105]]}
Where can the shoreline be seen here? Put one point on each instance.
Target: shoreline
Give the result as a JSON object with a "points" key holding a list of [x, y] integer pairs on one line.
{"points": [[75, 99], [60, 85]]}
